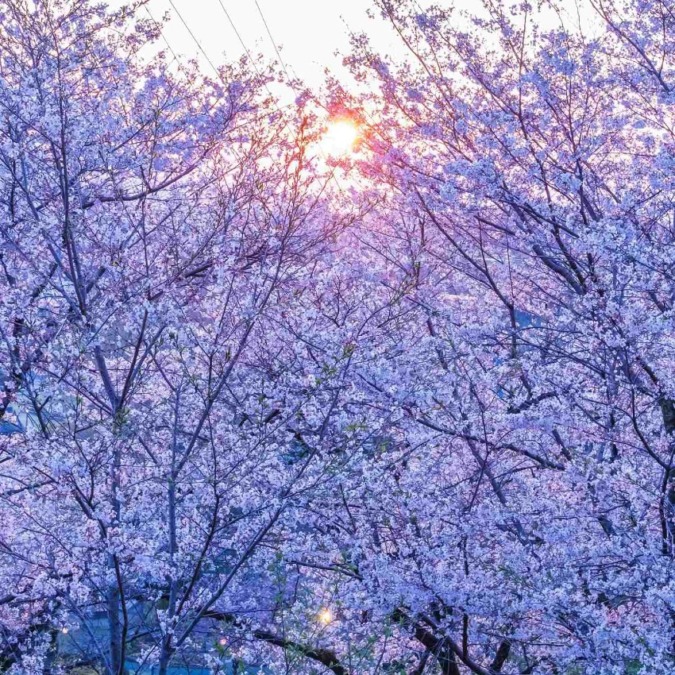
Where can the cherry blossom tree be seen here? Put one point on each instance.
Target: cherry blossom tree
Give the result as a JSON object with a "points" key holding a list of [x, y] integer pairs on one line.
{"points": [[407, 414], [158, 232], [519, 515]]}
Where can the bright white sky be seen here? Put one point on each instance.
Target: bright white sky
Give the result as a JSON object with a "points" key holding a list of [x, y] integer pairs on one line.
{"points": [[309, 32]]}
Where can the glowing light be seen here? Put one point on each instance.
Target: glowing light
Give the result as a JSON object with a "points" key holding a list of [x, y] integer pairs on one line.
{"points": [[325, 616], [340, 137], [222, 642], [64, 630]]}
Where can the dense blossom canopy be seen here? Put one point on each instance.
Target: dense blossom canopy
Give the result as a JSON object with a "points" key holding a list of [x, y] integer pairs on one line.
{"points": [[408, 411]]}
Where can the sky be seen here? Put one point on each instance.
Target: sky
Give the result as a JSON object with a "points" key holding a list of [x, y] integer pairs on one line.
{"points": [[308, 32], [311, 35]]}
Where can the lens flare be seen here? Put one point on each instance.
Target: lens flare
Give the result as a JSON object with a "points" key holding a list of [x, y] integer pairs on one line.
{"points": [[325, 616], [340, 137]]}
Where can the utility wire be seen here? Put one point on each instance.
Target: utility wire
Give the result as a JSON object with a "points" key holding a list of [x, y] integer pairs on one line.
{"points": [[246, 49], [192, 35], [274, 100], [237, 33], [248, 53], [274, 44], [290, 84]]}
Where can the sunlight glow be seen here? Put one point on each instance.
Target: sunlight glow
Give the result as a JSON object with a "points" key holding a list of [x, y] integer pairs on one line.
{"points": [[340, 137], [325, 616]]}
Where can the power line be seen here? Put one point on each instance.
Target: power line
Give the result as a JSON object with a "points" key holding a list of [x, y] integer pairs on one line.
{"points": [[274, 100], [192, 35], [274, 44], [290, 84], [237, 33], [248, 53], [168, 44]]}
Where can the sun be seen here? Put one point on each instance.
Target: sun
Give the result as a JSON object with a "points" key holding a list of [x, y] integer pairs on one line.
{"points": [[325, 616], [340, 137]]}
